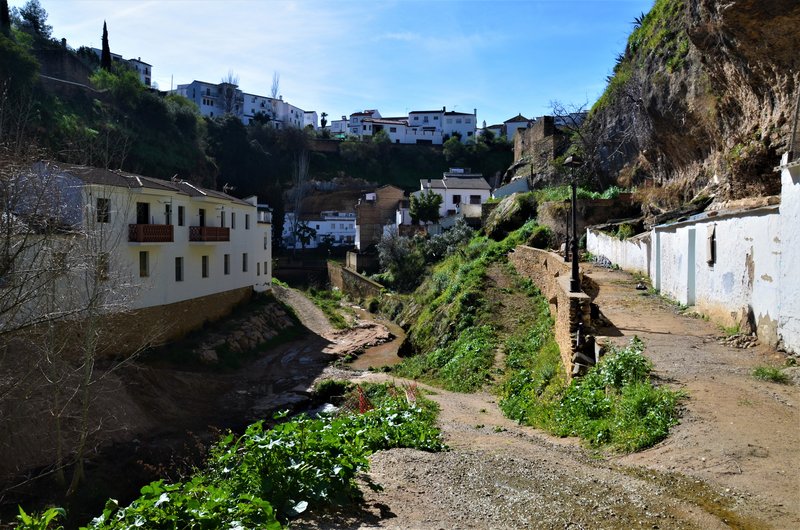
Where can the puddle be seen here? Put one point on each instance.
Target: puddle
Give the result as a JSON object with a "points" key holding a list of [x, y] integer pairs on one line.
{"points": [[383, 354]]}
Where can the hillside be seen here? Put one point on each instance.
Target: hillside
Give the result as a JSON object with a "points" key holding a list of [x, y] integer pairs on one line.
{"points": [[701, 101]]}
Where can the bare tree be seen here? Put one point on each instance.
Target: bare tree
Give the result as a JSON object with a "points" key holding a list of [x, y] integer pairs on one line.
{"points": [[276, 85], [231, 95]]}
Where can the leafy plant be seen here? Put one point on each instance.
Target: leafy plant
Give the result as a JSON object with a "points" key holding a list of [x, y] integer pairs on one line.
{"points": [[329, 302], [770, 373], [41, 521], [268, 475]]}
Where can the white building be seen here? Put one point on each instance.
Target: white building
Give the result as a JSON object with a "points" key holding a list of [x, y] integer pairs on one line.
{"points": [[173, 241], [311, 119], [143, 69], [738, 265], [218, 99], [419, 127], [457, 187], [333, 227]]}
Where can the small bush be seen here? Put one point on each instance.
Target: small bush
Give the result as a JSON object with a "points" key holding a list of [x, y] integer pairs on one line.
{"points": [[772, 374]]}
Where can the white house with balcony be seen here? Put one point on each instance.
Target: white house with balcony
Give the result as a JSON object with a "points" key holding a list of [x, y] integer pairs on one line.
{"points": [[173, 241]]}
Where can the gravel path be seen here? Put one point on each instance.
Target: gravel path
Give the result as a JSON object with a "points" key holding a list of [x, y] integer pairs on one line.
{"points": [[730, 464]]}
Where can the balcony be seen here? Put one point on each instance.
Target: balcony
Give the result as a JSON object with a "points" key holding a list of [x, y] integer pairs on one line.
{"points": [[209, 233], [150, 233]]}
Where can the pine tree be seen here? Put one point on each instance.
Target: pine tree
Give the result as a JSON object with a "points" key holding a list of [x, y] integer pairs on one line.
{"points": [[5, 18], [105, 57]]}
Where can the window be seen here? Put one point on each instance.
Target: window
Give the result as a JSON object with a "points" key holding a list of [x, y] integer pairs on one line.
{"points": [[416, 118], [333, 226], [204, 266], [456, 199], [103, 210], [449, 120], [233, 220], [467, 120], [244, 262], [393, 129], [226, 264], [179, 269], [181, 211], [474, 199], [247, 221], [222, 218], [168, 213], [202, 215], [142, 213], [266, 241], [436, 118], [265, 268], [258, 268], [425, 119], [144, 264], [458, 120], [469, 133]]}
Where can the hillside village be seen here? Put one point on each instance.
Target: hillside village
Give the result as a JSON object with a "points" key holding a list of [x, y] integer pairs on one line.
{"points": [[188, 273]]}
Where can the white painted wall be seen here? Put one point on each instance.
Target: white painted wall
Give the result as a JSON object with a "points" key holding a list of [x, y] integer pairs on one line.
{"points": [[632, 254], [744, 275], [160, 286], [789, 295]]}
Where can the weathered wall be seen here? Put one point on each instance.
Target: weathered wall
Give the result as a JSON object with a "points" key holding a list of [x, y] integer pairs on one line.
{"points": [[789, 297], [631, 254], [551, 274], [161, 324], [352, 283], [590, 212], [741, 285]]}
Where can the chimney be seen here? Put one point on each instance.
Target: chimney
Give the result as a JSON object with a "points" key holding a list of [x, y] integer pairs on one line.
{"points": [[444, 109]]}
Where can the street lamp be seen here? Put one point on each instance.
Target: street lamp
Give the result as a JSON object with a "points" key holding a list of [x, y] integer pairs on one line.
{"points": [[572, 162], [566, 230]]}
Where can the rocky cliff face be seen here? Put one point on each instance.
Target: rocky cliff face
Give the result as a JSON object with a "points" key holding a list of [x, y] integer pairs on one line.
{"points": [[702, 101]]}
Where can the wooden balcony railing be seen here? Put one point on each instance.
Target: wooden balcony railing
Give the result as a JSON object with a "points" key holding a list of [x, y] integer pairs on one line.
{"points": [[209, 233], [150, 233]]}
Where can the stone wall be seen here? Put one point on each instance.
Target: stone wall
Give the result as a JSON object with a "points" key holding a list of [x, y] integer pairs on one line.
{"points": [[130, 331], [590, 212], [352, 283], [571, 311]]}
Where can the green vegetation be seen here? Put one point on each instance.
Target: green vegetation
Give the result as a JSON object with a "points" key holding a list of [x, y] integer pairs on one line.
{"points": [[561, 193], [772, 374], [613, 405], [266, 476], [624, 231], [330, 303], [40, 521], [452, 328]]}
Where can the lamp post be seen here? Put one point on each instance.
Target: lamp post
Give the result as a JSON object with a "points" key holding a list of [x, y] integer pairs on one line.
{"points": [[566, 230], [572, 162]]}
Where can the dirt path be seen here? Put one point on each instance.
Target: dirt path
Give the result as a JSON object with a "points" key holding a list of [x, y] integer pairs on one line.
{"points": [[736, 431], [731, 462]]}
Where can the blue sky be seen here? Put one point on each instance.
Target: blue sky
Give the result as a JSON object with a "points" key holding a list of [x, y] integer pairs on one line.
{"points": [[501, 57]]}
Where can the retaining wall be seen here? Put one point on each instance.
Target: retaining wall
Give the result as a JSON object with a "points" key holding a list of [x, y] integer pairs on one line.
{"points": [[632, 254], [551, 274], [352, 283]]}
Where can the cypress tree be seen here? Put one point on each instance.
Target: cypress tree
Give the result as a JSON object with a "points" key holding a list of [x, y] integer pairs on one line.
{"points": [[105, 57], [5, 18]]}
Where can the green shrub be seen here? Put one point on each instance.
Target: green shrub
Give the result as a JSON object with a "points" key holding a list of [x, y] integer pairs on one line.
{"points": [[613, 405], [770, 373], [269, 475], [624, 231]]}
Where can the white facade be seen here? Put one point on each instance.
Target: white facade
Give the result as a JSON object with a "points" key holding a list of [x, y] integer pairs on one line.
{"points": [[736, 266], [789, 293], [419, 127], [144, 70], [456, 187], [337, 228], [310, 119], [218, 99], [173, 241]]}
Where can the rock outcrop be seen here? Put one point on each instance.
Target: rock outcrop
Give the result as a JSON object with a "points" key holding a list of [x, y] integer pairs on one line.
{"points": [[702, 101]]}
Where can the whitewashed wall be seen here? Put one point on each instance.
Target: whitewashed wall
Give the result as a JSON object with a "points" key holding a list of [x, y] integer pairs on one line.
{"points": [[789, 297], [632, 254], [744, 276]]}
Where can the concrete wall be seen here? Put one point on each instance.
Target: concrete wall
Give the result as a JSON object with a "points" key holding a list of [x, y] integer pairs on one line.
{"points": [[632, 254], [551, 274], [789, 225]]}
